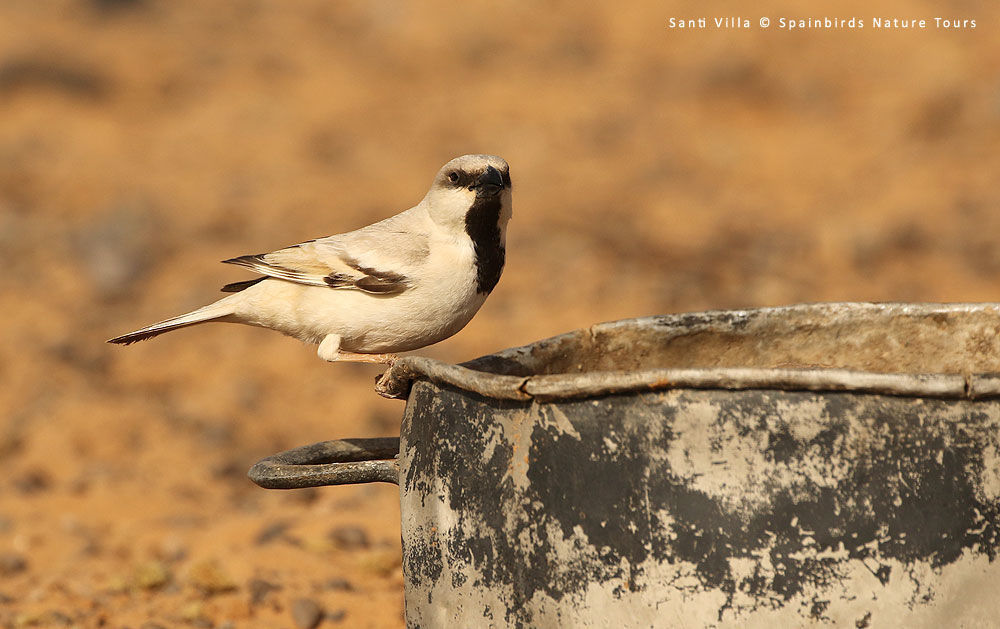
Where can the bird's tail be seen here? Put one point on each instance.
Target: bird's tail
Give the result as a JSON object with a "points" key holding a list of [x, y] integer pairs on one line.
{"points": [[211, 312]]}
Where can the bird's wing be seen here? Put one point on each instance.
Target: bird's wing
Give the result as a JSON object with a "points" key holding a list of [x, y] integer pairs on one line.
{"points": [[376, 259]]}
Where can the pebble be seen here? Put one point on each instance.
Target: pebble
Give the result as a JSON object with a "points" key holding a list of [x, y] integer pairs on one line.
{"points": [[151, 575], [193, 612], [271, 532], [380, 562], [27, 620], [32, 482], [91, 547], [56, 617], [349, 537], [259, 590], [306, 613], [11, 564], [337, 583], [211, 577]]}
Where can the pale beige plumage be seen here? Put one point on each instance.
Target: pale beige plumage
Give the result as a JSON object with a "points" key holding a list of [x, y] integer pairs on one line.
{"points": [[405, 282]]}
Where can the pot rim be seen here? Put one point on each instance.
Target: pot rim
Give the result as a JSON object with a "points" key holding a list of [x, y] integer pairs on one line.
{"points": [[484, 376]]}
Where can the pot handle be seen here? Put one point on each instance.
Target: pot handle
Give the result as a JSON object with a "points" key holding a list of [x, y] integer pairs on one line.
{"points": [[341, 462]]}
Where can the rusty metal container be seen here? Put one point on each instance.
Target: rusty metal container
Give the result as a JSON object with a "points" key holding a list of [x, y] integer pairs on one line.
{"points": [[813, 465]]}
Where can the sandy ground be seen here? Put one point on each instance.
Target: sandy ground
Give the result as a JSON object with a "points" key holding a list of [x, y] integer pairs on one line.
{"points": [[655, 171]]}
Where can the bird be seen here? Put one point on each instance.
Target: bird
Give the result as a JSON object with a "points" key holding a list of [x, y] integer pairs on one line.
{"points": [[397, 285]]}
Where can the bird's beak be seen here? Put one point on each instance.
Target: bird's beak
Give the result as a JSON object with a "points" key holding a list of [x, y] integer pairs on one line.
{"points": [[489, 183]]}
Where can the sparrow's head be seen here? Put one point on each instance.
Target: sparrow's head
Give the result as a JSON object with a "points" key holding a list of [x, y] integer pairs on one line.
{"points": [[471, 189]]}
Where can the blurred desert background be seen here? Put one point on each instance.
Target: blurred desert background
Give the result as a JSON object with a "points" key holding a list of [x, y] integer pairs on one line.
{"points": [[655, 170]]}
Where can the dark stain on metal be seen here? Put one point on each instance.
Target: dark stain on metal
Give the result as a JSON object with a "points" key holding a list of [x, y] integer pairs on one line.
{"points": [[914, 494]]}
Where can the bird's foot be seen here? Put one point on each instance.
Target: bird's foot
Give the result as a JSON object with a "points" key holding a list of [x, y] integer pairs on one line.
{"points": [[329, 350], [381, 359]]}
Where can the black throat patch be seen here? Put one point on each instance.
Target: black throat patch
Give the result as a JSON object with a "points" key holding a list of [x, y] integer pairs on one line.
{"points": [[482, 223]]}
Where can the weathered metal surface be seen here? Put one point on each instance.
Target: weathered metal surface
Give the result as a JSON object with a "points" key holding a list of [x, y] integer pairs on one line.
{"points": [[831, 464], [906, 349], [699, 509], [344, 462]]}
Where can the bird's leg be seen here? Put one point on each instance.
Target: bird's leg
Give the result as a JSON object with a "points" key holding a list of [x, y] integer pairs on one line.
{"points": [[383, 359], [329, 350]]}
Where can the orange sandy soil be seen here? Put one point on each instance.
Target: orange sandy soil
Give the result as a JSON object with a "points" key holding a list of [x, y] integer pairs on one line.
{"points": [[655, 171]]}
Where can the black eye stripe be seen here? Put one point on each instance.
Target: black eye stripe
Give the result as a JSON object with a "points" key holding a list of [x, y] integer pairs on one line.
{"points": [[459, 178], [463, 178]]}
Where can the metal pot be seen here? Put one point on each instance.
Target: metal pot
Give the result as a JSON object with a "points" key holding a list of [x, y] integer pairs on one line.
{"points": [[814, 464]]}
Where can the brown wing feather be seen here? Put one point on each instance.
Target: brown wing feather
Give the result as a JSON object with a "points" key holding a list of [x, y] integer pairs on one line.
{"points": [[310, 271], [236, 287]]}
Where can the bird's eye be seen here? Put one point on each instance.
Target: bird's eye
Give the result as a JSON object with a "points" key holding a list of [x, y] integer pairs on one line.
{"points": [[453, 177]]}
